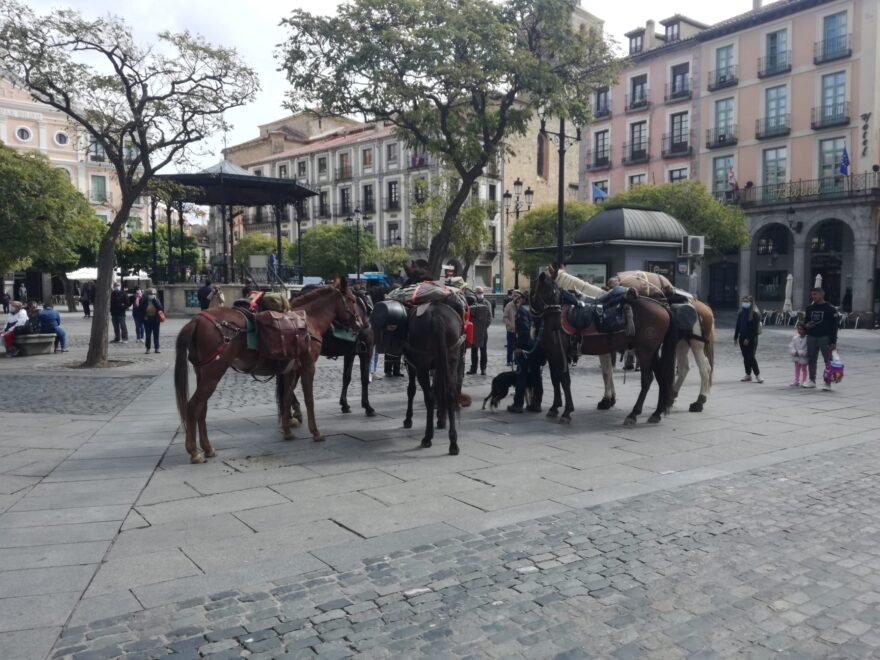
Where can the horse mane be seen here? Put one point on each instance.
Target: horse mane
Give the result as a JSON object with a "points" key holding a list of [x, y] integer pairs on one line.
{"points": [[314, 294]]}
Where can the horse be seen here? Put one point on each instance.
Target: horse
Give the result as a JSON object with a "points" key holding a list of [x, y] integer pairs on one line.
{"points": [[216, 340], [654, 344]]}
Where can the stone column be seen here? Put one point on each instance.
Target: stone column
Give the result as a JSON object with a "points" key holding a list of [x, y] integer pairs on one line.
{"points": [[745, 271], [863, 278], [800, 285]]}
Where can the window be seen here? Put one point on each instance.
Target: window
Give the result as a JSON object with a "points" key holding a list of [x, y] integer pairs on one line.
{"points": [[771, 284], [830, 151], [681, 82], [834, 35], [103, 217], [603, 106], [828, 238], [679, 129], [420, 190], [600, 148], [636, 43], [23, 134], [345, 200], [393, 234], [775, 166], [638, 135], [672, 31], [773, 240], [723, 63], [344, 165], [638, 90], [777, 51], [776, 106], [679, 174], [723, 116], [282, 171], [322, 165], [367, 157], [492, 192], [602, 186], [323, 206], [98, 189], [636, 179], [833, 95], [393, 196], [301, 169], [721, 168], [391, 152], [369, 200], [61, 138], [542, 157]]}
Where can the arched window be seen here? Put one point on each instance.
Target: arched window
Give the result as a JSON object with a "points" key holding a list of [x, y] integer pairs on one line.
{"points": [[828, 238], [774, 240], [543, 155]]}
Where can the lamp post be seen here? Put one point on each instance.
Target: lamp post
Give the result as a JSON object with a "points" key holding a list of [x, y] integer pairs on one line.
{"points": [[358, 216], [517, 208], [564, 141]]}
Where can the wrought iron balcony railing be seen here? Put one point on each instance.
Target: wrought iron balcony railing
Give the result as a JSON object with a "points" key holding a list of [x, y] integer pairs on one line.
{"points": [[599, 159], [724, 77], [835, 48], [678, 91], [343, 172], [602, 111], [807, 190], [774, 64], [832, 114], [638, 101], [635, 152], [675, 145], [770, 127], [724, 136]]}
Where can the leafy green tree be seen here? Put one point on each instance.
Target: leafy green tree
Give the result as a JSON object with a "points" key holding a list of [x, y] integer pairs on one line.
{"points": [[456, 79], [723, 225], [141, 108], [136, 253], [44, 220], [470, 236], [537, 228], [392, 258], [329, 250], [260, 244]]}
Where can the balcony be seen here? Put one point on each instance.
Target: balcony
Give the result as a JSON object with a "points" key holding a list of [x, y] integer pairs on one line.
{"points": [[826, 116], [773, 65], [638, 101], [99, 196], [492, 170], [418, 161], [343, 172], [677, 145], [602, 111], [599, 159], [832, 49], [343, 209], [678, 91], [323, 211], [725, 136], [491, 248], [862, 185], [392, 205], [635, 152], [771, 127], [721, 78], [368, 205]]}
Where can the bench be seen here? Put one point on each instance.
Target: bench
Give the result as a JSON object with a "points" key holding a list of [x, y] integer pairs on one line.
{"points": [[39, 344]]}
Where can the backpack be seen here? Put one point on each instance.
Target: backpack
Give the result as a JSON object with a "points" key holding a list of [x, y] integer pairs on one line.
{"points": [[151, 309]]}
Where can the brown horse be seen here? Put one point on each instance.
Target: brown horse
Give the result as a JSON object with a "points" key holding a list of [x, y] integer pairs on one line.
{"points": [[216, 341], [654, 344]]}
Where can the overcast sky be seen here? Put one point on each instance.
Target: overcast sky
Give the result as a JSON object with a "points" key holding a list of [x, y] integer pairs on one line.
{"points": [[251, 26]]}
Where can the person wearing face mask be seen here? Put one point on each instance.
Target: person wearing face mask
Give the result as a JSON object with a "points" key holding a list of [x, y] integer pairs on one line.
{"points": [[748, 327], [480, 317], [119, 302]]}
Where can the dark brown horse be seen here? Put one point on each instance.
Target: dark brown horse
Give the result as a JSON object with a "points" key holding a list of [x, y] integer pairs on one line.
{"points": [[216, 341], [654, 344]]}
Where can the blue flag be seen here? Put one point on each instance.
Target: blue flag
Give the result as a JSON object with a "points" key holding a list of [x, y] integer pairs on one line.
{"points": [[598, 193], [844, 162]]}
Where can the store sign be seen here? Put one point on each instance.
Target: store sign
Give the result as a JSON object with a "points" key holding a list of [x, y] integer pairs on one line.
{"points": [[665, 268]]}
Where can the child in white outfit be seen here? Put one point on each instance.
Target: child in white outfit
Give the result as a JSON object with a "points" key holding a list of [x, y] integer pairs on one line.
{"points": [[798, 350]]}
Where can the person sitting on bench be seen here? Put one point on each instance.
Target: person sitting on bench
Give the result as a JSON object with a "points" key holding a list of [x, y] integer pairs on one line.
{"points": [[50, 323], [16, 324]]}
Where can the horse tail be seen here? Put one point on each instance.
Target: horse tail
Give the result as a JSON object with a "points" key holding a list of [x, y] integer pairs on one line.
{"points": [[667, 364], [181, 369], [709, 348], [445, 375]]}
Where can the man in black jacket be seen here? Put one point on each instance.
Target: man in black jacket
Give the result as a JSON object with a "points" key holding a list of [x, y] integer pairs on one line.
{"points": [[820, 320], [119, 302], [204, 294]]}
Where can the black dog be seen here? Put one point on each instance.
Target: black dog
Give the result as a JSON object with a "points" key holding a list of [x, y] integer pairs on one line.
{"points": [[501, 385]]}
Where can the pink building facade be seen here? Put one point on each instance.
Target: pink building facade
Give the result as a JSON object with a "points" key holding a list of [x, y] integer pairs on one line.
{"points": [[760, 108]]}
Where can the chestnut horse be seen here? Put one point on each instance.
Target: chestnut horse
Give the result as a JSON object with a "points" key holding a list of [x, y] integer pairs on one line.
{"points": [[216, 341]]}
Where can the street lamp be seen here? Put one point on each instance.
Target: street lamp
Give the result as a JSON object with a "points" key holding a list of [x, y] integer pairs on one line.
{"points": [[358, 217], [517, 208], [564, 143]]}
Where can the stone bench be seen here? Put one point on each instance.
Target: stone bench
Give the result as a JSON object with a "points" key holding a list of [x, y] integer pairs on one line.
{"points": [[39, 344]]}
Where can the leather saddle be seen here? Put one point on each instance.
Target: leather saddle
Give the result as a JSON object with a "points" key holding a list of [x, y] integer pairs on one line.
{"points": [[584, 315]]}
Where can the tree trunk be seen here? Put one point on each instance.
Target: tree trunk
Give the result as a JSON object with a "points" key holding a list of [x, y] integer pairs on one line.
{"points": [[68, 292], [97, 355], [440, 242]]}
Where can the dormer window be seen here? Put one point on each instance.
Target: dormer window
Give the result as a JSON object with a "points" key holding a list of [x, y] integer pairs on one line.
{"points": [[636, 43], [672, 32]]}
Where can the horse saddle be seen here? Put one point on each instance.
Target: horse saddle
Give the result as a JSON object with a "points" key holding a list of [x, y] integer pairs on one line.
{"points": [[280, 333], [680, 297], [685, 316], [390, 322], [604, 314]]}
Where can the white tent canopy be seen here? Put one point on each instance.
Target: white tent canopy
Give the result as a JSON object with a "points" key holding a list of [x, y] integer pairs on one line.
{"points": [[91, 275]]}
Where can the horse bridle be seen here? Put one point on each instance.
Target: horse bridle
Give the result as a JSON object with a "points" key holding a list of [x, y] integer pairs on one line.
{"points": [[545, 307]]}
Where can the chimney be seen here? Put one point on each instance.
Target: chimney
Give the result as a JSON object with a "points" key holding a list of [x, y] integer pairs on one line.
{"points": [[756, 5], [649, 35]]}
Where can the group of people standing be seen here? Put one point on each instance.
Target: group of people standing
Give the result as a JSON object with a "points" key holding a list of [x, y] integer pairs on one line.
{"points": [[147, 313]]}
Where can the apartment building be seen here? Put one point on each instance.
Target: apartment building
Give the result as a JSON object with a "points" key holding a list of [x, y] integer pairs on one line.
{"points": [[759, 107]]}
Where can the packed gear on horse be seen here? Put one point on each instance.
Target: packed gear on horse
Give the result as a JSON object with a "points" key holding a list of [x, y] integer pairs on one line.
{"points": [[656, 286], [609, 312], [280, 334]]}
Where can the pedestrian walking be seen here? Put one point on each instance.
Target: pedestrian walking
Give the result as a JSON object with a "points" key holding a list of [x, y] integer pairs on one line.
{"points": [[136, 315], [216, 298], [87, 297], [480, 317], [798, 349], [273, 267], [748, 327], [820, 320], [204, 294], [50, 323], [119, 302], [509, 315], [153, 312]]}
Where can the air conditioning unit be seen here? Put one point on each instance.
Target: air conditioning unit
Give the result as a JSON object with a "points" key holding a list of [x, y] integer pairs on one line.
{"points": [[693, 246]]}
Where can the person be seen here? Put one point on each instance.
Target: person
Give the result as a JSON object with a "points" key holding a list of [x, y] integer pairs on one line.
{"points": [[492, 305], [4, 300], [748, 324], [204, 294], [798, 349], [119, 302], [87, 297], [136, 316], [22, 293], [216, 298], [480, 317], [150, 308], [16, 324], [377, 295], [50, 322], [273, 266], [820, 320], [509, 315], [528, 358]]}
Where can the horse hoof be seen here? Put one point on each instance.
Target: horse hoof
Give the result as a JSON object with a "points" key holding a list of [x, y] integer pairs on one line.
{"points": [[453, 450], [197, 458], [318, 438], [696, 407], [211, 453], [425, 444], [295, 423], [407, 423], [289, 436], [606, 404], [629, 421], [552, 412], [369, 412], [346, 409], [654, 419]]}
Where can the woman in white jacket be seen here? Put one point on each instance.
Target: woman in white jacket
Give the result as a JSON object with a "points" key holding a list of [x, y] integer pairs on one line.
{"points": [[798, 349]]}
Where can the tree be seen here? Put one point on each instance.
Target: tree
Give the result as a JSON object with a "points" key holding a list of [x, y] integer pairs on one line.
{"points": [[723, 225], [329, 250], [136, 253], [44, 220], [456, 79], [259, 244], [392, 258], [537, 228], [470, 235], [141, 108]]}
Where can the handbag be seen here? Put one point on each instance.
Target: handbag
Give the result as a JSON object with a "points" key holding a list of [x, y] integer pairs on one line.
{"points": [[833, 369], [161, 316]]}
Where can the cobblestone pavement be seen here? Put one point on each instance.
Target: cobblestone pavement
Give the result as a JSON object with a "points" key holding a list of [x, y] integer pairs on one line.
{"points": [[89, 395], [780, 562]]}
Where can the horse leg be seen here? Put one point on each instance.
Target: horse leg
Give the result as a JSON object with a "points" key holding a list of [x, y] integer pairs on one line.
{"points": [[308, 381], [453, 432], [606, 363], [366, 359], [347, 362], [197, 412], [705, 375], [681, 362], [288, 383], [427, 389], [296, 415], [569, 402], [410, 395], [664, 395], [201, 416], [647, 374]]}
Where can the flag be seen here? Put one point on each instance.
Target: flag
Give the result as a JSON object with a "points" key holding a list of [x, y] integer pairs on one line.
{"points": [[844, 162], [731, 179], [598, 193]]}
